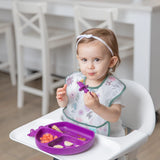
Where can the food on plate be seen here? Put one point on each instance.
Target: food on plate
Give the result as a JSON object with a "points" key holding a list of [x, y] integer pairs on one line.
{"points": [[82, 138], [47, 137], [57, 146], [68, 143], [56, 128]]}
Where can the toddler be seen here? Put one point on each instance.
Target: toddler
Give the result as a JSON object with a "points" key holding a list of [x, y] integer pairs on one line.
{"points": [[100, 108]]}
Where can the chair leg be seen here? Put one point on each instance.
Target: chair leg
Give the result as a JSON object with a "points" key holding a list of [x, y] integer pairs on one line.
{"points": [[11, 57], [45, 81], [20, 68]]}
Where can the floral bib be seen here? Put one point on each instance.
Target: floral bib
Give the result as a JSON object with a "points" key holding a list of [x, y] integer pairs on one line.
{"points": [[76, 112]]}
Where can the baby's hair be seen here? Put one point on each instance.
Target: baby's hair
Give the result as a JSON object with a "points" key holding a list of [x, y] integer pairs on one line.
{"points": [[107, 36]]}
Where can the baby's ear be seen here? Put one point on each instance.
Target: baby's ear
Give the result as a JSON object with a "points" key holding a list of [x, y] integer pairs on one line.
{"points": [[113, 61]]}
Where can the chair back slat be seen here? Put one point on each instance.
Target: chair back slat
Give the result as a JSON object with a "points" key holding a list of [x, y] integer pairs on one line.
{"points": [[91, 17], [29, 23], [85, 23], [29, 17], [30, 7]]}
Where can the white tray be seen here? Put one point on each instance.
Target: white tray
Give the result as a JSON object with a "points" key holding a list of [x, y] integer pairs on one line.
{"points": [[103, 148]]}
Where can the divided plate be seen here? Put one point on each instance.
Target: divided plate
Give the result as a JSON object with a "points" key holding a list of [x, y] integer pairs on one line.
{"points": [[80, 139]]}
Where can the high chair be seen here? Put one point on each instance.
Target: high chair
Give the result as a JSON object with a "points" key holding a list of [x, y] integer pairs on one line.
{"points": [[86, 17], [6, 29], [32, 32], [138, 115]]}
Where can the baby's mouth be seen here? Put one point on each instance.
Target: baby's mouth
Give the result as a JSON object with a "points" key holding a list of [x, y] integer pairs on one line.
{"points": [[91, 74]]}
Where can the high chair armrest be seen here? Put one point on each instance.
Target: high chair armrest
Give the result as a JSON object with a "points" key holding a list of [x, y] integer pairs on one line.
{"points": [[130, 142]]}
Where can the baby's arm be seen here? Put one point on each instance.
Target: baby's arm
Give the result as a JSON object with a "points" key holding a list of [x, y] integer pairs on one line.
{"points": [[111, 114], [62, 98]]}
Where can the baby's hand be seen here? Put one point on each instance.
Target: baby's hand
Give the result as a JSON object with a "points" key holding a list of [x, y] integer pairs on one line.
{"points": [[91, 100], [61, 96]]}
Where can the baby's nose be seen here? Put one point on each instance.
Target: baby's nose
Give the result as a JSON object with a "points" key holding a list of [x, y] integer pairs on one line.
{"points": [[90, 65]]}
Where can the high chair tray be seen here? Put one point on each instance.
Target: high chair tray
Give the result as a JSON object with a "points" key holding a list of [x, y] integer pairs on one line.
{"points": [[104, 148], [68, 139]]}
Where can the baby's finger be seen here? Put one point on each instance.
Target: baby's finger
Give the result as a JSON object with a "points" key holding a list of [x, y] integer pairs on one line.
{"points": [[94, 95], [62, 89], [91, 94], [59, 89], [61, 93], [65, 86], [59, 97]]}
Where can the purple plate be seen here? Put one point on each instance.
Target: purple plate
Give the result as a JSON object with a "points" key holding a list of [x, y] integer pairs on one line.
{"points": [[73, 139]]}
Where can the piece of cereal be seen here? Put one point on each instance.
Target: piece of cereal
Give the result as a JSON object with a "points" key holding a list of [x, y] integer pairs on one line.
{"points": [[68, 144], [58, 146]]}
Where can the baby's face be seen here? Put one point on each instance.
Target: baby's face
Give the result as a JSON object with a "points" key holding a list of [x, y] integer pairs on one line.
{"points": [[93, 60]]}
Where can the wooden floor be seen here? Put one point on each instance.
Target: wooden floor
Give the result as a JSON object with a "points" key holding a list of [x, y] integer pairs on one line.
{"points": [[11, 117]]}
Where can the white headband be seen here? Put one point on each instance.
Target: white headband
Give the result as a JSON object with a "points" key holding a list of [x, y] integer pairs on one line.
{"points": [[80, 37]]}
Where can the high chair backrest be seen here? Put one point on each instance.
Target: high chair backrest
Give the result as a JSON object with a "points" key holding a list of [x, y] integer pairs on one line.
{"points": [[29, 16], [139, 112], [93, 17]]}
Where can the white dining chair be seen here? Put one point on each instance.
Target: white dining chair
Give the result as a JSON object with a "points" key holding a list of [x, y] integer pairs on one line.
{"points": [[86, 17], [31, 31], [6, 30]]}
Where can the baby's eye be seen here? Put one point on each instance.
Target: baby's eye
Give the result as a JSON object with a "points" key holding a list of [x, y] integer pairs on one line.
{"points": [[96, 59], [83, 59]]}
